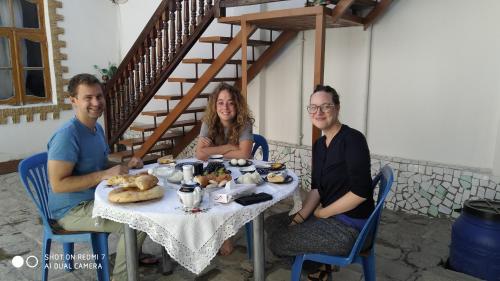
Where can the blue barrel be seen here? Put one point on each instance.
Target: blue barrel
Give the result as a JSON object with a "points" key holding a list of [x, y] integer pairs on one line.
{"points": [[475, 240]]}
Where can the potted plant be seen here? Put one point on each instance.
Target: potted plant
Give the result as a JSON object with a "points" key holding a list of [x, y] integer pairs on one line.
{"points": [[107, 73]]}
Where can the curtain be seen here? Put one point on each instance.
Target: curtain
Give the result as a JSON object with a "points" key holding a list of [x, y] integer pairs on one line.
{"points": [[6, 81]]}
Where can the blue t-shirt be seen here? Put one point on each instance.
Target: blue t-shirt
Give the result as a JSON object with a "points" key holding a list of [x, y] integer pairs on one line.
{"points": [[88, 150]]}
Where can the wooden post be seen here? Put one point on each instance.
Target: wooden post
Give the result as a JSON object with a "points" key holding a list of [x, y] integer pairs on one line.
{"points": [[244, 57], [319, 60]]}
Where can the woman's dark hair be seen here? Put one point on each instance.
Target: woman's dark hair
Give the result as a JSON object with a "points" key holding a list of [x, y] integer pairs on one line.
{"points": [[329, 90], [83, 78]]}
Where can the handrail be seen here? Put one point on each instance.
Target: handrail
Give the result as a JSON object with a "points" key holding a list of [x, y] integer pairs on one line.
{"points": [[167, 37]]}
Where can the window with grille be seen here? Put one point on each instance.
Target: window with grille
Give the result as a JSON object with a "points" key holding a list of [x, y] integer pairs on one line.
{"points": [[24, 66]]}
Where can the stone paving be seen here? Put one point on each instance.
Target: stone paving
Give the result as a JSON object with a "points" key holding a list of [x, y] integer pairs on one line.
{"points": [[409, 248]]}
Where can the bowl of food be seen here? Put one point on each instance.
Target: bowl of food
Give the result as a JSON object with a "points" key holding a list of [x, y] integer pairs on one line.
{"points": [[248, 169], [263, 169], [240, 162]]}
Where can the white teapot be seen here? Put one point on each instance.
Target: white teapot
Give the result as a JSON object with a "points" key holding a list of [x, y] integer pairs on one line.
{"points": [[190, 195]]}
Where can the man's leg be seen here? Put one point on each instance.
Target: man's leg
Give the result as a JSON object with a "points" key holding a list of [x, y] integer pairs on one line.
{"points": [[80, 219]]}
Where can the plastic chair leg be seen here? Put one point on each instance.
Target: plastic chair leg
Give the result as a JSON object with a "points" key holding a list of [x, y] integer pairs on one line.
{"points": [[69, 250], [100, 249], [45, 258], [297, 268], [369, 267], [249, 231]]}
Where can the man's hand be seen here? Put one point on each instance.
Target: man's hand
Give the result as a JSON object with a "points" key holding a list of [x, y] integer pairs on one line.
{"points": [[114, 171], [135, 163]]}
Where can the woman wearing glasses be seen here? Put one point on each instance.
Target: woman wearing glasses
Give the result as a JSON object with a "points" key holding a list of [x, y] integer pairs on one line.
{"points": [[227, 130], [341, 196]]}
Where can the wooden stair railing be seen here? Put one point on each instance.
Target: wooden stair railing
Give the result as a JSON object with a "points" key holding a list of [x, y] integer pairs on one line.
{"points": [[167, 37], [209, 76]]}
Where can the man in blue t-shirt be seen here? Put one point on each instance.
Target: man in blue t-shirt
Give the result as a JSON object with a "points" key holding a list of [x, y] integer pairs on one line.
{"points": [[78, 162]]}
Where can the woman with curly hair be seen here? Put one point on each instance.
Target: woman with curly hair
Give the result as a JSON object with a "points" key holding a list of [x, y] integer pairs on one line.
{"points": [[227, 125]]}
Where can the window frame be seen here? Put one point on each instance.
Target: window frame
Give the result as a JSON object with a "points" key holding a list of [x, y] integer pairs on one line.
{"points": [[15, 36]]}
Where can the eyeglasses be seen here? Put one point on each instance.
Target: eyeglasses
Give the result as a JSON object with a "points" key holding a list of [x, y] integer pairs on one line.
{"points": [[325, 108]]}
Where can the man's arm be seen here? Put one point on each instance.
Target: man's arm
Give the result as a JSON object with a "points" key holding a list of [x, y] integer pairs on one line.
{"points": [[62, 180]]}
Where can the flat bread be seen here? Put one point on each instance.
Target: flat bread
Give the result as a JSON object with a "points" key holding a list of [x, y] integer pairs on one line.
{"points": [[134, 194], [143, 182], [122, 180]]}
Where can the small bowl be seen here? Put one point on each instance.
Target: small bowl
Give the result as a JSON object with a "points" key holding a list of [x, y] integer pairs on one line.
{"points": [[263, 169], [216, 157], [249, 169]]}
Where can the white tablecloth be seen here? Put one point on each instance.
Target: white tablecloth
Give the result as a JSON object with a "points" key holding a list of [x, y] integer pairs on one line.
{"points": [[192, 239]]}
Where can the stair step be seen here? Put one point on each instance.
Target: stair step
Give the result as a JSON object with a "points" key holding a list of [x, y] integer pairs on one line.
{"points": [[177, 97], [160, 113], [122, 155], [137, 141], [151, 127], [194, 80], [226, 40], [210, 61]]}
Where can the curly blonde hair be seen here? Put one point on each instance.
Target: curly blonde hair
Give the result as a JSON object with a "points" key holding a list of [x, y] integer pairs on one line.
{"points": [[211, 118]]}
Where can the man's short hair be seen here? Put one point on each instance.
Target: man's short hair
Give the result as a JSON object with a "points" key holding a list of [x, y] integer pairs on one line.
{"points": [[79, 79]]}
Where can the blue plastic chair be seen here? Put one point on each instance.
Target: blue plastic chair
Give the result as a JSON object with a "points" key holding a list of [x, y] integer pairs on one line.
{"points": [[34, 176], [258, 141], [365, 258]]}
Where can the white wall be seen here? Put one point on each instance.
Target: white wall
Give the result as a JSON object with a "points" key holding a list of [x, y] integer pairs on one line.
{"points": [[91, 37], [435, 82]]}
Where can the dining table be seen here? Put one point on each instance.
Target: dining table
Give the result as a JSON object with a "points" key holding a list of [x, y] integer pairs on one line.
{"points": [[191, 238]]}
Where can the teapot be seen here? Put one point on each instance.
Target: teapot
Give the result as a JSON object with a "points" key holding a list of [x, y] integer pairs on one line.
{"points": [[190, 195]]}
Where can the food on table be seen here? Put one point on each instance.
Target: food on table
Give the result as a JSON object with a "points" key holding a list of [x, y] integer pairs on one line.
{"points": [[212, 167], [166, 160], [215, 174], [238, 162], [145, 182], [263, 169], [276, 177], [121, 180], [246, 170], [277, 166], [142, 181], [250, 178], [134, 194], [176, 177]]}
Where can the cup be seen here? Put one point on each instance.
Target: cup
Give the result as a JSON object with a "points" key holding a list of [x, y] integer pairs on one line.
{"points": [[198, 168], [188, 173]]}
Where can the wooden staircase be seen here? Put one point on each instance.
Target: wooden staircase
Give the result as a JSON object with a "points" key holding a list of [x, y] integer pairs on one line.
{"points": [[157, 53]]}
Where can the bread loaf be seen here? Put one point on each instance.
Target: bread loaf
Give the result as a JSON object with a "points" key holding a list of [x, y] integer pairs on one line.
{"points": [[145, 182], [134, 194]]}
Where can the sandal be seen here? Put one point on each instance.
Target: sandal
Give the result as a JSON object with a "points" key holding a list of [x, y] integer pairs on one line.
{"points": [[322, 274]]}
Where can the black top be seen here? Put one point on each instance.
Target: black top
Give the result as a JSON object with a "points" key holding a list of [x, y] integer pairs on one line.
{"points": [[341, 167]]}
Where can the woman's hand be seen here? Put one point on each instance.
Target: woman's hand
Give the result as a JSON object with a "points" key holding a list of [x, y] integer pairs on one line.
{"points": [[205, 141], [320, 213]]}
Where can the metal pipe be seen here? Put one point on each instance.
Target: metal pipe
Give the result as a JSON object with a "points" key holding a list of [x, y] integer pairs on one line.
{"points": [[131, 252], [258, 248], [300, 82]]}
